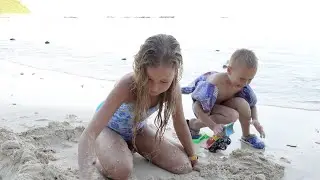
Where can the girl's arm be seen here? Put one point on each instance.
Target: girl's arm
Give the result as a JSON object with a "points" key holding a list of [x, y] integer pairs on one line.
{"points": [[181, 126], [86, 147]]}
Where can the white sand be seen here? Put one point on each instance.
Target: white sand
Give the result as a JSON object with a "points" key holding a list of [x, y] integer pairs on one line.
{"points": [[45, 152]]}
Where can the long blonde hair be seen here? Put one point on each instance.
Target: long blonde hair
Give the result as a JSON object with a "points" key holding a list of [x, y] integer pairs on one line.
{"points": [[157, 50]]}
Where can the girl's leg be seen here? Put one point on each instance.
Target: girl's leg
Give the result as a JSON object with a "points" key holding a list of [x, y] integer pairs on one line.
{"points": [[166, 155], [220, 114], [114, 159]]}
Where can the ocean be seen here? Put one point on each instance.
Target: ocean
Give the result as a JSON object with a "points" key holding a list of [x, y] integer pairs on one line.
{"points": [[94, 46]]}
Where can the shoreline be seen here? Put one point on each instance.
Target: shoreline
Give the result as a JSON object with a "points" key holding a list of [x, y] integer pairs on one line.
{"points": [[84, 83]]}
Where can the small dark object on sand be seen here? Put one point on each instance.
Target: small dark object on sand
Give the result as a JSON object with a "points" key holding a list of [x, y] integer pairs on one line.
{"points": [[317, 142], [217, 50], [71, 17], [22, 73], [124, 59], [12, 39], [220, 144], [291, 145], [47, 42]]}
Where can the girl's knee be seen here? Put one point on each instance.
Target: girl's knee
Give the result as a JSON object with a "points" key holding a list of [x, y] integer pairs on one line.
{"points": [[182, 166], [113, 155], [116, 169], [123, 172]]}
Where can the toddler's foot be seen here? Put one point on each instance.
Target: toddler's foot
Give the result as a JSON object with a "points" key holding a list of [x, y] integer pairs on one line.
{"points": [[253, 141], [195, 134]]}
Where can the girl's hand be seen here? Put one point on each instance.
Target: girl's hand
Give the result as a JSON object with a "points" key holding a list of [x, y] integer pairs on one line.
{"points": [[194, 161], [259, 128]]}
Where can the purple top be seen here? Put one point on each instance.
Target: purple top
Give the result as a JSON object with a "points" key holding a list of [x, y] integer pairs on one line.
{"points": [[207, 93]]}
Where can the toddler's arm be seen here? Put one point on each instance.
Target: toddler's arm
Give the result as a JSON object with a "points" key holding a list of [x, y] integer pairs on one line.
{"points": [[248, 94], [205, 96]]}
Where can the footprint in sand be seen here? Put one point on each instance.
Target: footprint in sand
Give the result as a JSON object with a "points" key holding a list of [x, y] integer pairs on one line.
{"points": [[285, 160], [71, 117]]}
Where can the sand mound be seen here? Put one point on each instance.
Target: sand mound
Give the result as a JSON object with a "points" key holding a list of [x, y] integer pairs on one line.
{"points": [[40, 154], [28, 155], [240, 165]]}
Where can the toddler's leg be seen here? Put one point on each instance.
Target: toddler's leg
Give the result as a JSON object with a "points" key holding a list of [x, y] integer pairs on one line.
{"points": [[243, 108], [114, 159], [220, 114]]}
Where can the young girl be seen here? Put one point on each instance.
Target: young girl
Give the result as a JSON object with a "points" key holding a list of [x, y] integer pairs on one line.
{"points": [[120, 126]]}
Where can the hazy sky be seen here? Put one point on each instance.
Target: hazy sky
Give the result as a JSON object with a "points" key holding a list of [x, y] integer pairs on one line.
{"points": [[186, 8]]}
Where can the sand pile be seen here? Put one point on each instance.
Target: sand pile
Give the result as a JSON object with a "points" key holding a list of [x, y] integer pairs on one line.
{"points": [[29, 155], [239, 165], [47, 153]]}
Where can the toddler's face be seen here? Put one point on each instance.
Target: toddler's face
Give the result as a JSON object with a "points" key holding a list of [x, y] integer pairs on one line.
{"points": [[241, 75]]}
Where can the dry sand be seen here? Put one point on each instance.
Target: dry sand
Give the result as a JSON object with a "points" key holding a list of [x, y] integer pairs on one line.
{"points": [[50, 152]]}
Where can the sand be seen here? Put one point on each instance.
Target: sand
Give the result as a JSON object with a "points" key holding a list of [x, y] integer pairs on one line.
{"points": [[44, 110], [31, 154], [39, 132], [38, 153]]}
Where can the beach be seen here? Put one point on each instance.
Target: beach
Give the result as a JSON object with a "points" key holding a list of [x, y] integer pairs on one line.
{"points": [[47, 132], [55, 70]]}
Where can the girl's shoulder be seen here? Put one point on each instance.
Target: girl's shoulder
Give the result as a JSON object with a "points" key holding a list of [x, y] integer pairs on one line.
{"points": [[124, 85]]}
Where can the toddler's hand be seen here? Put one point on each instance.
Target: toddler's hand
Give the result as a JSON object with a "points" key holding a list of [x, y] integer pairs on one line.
{"points": [[217, 128], [259, 128]]}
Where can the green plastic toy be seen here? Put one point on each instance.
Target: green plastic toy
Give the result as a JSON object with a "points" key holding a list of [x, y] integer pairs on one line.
{"points": [[227, 131]]}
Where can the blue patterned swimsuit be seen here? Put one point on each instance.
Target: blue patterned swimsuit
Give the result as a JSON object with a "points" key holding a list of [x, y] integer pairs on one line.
{"points": [[122, 120]]}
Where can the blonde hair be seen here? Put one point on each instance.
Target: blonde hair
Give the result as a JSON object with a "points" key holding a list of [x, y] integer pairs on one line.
{"points": [[244, 57], [157, 50]]}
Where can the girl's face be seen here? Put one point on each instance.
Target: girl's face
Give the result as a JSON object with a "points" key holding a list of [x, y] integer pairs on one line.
{"points": [[160, 79]]}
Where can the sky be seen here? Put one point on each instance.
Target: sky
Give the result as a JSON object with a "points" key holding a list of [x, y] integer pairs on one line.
{"points": [[179, 8]]}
